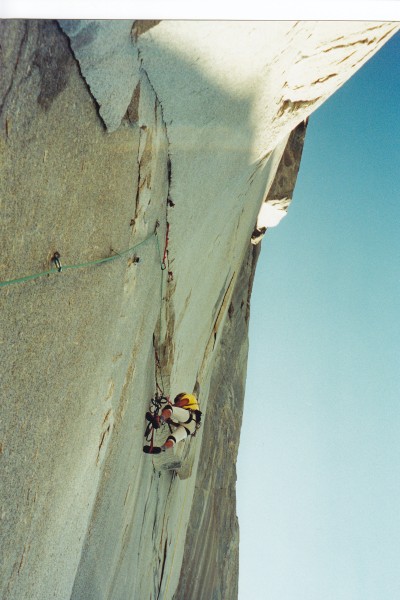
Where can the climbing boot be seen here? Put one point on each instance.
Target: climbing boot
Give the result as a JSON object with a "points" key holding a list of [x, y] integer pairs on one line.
{"points": [[153, 450]]}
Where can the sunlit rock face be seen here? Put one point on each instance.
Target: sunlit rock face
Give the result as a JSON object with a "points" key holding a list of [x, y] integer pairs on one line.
{"points": [[175, 140]]}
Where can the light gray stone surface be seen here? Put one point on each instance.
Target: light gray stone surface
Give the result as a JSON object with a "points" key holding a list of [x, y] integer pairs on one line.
{"points": [[194, 139], [211, 564], [108, 61]]}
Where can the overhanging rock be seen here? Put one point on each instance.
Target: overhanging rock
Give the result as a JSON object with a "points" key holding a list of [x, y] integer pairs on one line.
{"points": [[108, 61], [197, 119]]}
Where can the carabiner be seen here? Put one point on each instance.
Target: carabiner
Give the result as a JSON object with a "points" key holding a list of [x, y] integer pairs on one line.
{"points": [[56, 260]]}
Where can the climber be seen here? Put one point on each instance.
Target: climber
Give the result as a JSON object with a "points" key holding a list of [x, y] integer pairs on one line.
{"points": [[183, 415]]}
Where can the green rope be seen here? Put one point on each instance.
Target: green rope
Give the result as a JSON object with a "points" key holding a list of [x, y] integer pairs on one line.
{"points": [[100, 261], [79, 266]]}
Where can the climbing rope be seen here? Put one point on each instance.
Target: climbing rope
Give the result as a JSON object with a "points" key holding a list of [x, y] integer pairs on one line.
{"points": [[165, 257], [156, 351], [158, 370], [156, 406], [116, 256], [159, 402], [59, 268], [164, 262]]}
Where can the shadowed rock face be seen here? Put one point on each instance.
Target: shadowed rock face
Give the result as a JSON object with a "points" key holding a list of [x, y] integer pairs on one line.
{"points": [[281, 192], [288, 169], [105, 131], [113, 75], [67, 186]]}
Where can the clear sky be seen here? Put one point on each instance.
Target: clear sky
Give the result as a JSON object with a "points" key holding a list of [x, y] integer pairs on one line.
{"points": [[319, 460]]}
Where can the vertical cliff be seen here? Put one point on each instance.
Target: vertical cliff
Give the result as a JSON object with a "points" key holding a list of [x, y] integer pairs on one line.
{"points": [[211, 564], [141, 152]]}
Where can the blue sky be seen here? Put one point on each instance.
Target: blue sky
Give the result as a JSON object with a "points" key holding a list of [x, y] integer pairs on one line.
{"points": [[318, 469]]}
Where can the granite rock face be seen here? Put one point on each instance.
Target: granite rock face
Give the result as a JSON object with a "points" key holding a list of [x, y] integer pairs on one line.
{"points": [[279, 197], [114, 74], [211, 563], [142, 153]]}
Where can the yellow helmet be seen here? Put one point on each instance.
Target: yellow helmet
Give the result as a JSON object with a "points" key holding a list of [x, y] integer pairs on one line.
{"points": [[187, 401]]}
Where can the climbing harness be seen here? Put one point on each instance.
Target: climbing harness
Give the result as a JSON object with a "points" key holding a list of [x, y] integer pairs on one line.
{"points": [[160, 400], [156, 405]]}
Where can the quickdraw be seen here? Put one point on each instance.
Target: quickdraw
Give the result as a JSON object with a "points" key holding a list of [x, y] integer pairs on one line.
{"points": [[56, 260]]}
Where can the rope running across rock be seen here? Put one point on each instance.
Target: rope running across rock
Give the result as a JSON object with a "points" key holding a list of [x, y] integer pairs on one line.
{"points": [[59, 269]]}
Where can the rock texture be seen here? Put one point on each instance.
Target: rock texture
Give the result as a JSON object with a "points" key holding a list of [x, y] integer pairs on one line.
{"points": [[110, 132], [279, 197], [212, 540], [113, 76]]}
